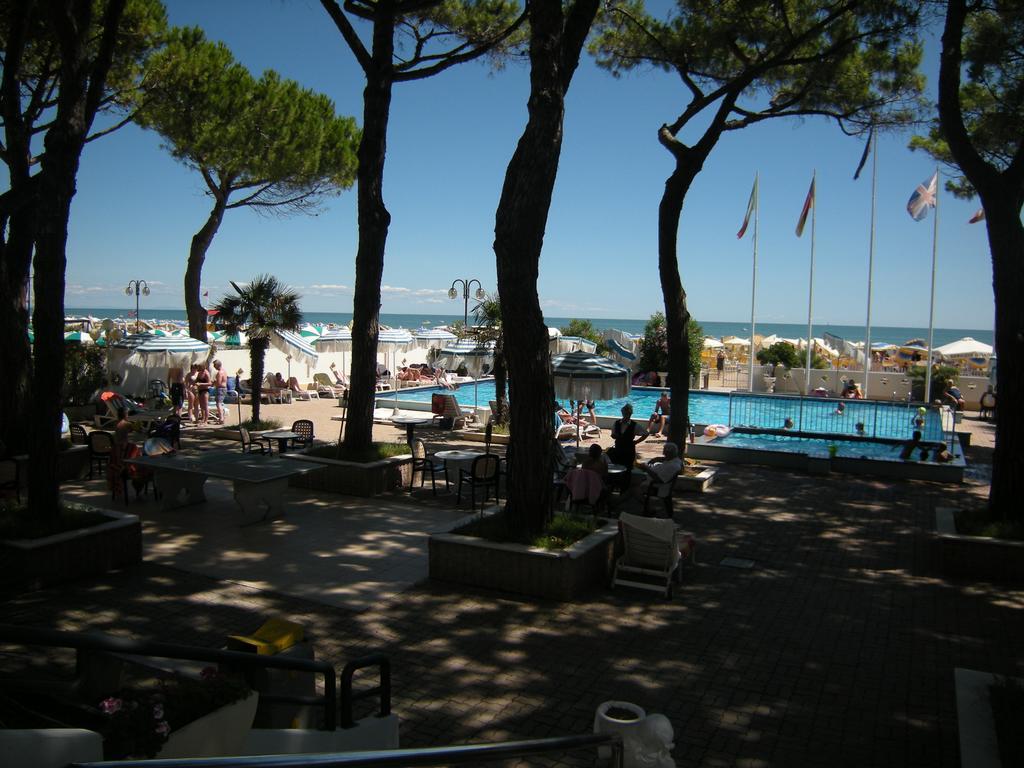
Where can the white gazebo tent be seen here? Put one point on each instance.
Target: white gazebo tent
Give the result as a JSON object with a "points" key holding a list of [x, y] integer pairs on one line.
{"points": [[135, 356]]}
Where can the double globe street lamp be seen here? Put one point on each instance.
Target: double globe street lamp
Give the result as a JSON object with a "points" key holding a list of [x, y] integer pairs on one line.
{"points": [[479, 294], [136, 288]]}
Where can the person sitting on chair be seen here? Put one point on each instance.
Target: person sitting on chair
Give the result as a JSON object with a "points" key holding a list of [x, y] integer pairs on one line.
{"points": [[664, 469], [660, 416], [339, 379], [954, 395]]}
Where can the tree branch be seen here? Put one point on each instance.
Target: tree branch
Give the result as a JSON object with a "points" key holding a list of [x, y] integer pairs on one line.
{"points": [[349, 33]]}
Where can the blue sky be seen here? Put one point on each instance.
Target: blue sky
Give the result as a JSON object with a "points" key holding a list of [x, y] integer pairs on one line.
{"points": [[450, 140]]}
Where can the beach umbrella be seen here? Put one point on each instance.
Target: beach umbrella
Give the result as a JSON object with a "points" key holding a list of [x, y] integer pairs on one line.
{"points": [[394, 340], [965, 348], [710, 343], [80, 337], [294, 346], [426, 338], [311, 332], [566, 344], [585, 376], [334, 340], [147, 350], [471, 353]]}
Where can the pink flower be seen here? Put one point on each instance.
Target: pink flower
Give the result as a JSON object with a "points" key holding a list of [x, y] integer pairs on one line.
{"points": [[110, 706], [163, 728], [158, 711]]}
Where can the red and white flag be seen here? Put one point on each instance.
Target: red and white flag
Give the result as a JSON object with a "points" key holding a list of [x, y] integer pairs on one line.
{"points": [[808, 204], [751, 204], [979, 215], [923, 198]]}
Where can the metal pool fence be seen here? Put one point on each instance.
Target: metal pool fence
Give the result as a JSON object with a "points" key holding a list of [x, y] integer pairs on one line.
{"points": [[827, 416]]}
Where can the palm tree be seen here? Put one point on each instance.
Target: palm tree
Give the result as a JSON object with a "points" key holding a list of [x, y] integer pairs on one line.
{"points": [[487, 319], [261, 307]]}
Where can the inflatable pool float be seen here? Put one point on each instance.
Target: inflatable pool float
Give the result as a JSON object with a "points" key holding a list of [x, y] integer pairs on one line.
{"points": [[716, 430]]}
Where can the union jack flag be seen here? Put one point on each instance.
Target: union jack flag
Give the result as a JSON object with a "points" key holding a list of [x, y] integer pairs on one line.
{"points": [[923, 198]]}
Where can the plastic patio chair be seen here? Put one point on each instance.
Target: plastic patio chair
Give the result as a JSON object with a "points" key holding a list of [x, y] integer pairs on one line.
{"points": [[482, 474]]}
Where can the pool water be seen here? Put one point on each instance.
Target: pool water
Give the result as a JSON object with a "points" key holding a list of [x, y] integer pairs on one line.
{"points": [[856, 449], [887, 420]]}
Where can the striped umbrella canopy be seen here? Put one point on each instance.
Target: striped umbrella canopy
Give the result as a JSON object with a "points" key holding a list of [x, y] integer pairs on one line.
{"points": [[293, 345], [585, 376], [334, 340], [432, 337], [311, 332], [81, 337]]}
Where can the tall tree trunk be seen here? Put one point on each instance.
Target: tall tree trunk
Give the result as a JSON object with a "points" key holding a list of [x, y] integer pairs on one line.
{"points": [[17, 238], [15, 352], [1006, 243], [374, 221], [688, 164], [500, 382], [518, 239], [81, 83], [257, 353], [1002, 196], [194, 309]]}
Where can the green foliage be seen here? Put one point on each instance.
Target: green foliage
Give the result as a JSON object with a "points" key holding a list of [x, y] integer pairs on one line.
{"points": [[853, 61], [942, 377], [992, 93], [780, 353], [142, 28], [654, 345], [260, 307], [84, 372], [984, 522], [281, 143], [564, 531], [375, 452]]}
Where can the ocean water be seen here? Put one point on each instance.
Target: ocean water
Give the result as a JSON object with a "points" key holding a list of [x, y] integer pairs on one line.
{"points": [[886, 334]]}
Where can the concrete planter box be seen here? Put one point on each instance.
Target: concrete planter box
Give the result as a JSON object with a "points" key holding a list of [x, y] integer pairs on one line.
{"points": [[697, 483], [979, 745], [975, 557], [75, 554], [352, 477], [523, 570], [72, 464]]}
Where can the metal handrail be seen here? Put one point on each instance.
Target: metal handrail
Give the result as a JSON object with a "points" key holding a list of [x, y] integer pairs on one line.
{"points": [[426, 756], [91, 641], [348, 697]]}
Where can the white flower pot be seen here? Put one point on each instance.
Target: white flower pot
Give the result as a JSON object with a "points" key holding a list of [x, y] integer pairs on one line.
{"points": [[218, 734], [625, 728]]}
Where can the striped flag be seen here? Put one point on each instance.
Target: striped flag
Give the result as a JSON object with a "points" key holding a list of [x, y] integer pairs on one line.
{"points": [[808, 203], [864, 157], [923, 198], [979, 215], [750, 210]]}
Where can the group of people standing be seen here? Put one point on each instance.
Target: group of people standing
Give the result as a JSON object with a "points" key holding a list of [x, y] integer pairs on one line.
{"points": [[192, 390]]}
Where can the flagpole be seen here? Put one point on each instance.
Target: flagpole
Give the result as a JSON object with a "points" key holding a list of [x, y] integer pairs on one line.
{"points": [[931, 308], [753, 284], [810, 287], [871, 267]]}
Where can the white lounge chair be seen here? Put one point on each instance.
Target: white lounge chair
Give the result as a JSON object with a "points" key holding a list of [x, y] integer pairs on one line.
{"points": [[651, 551]]}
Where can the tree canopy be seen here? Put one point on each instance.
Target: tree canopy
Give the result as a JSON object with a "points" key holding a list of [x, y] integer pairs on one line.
{"points": [[991, 97], [276, 146]]}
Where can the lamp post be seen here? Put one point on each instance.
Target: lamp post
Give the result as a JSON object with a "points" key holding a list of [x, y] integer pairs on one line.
{"points": [[466, 284], [137, 288]]}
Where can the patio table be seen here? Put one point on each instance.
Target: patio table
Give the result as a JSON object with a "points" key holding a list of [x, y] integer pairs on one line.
{"points": [[257, 480], [410, 423], [456, 460]]}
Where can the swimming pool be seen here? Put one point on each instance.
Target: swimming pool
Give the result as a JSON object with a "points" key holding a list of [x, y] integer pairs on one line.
{"points": [[857, 449], [878, 418]]}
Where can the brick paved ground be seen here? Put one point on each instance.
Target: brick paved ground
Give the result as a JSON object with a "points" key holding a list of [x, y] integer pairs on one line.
{"points": [[837, 648]]}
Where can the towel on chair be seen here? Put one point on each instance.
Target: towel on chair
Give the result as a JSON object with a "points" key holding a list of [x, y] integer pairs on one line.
{"points": [[584, 484]]}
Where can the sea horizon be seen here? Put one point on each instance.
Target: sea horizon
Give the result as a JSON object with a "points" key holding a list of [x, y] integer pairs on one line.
{"points": [[716, 329]]}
